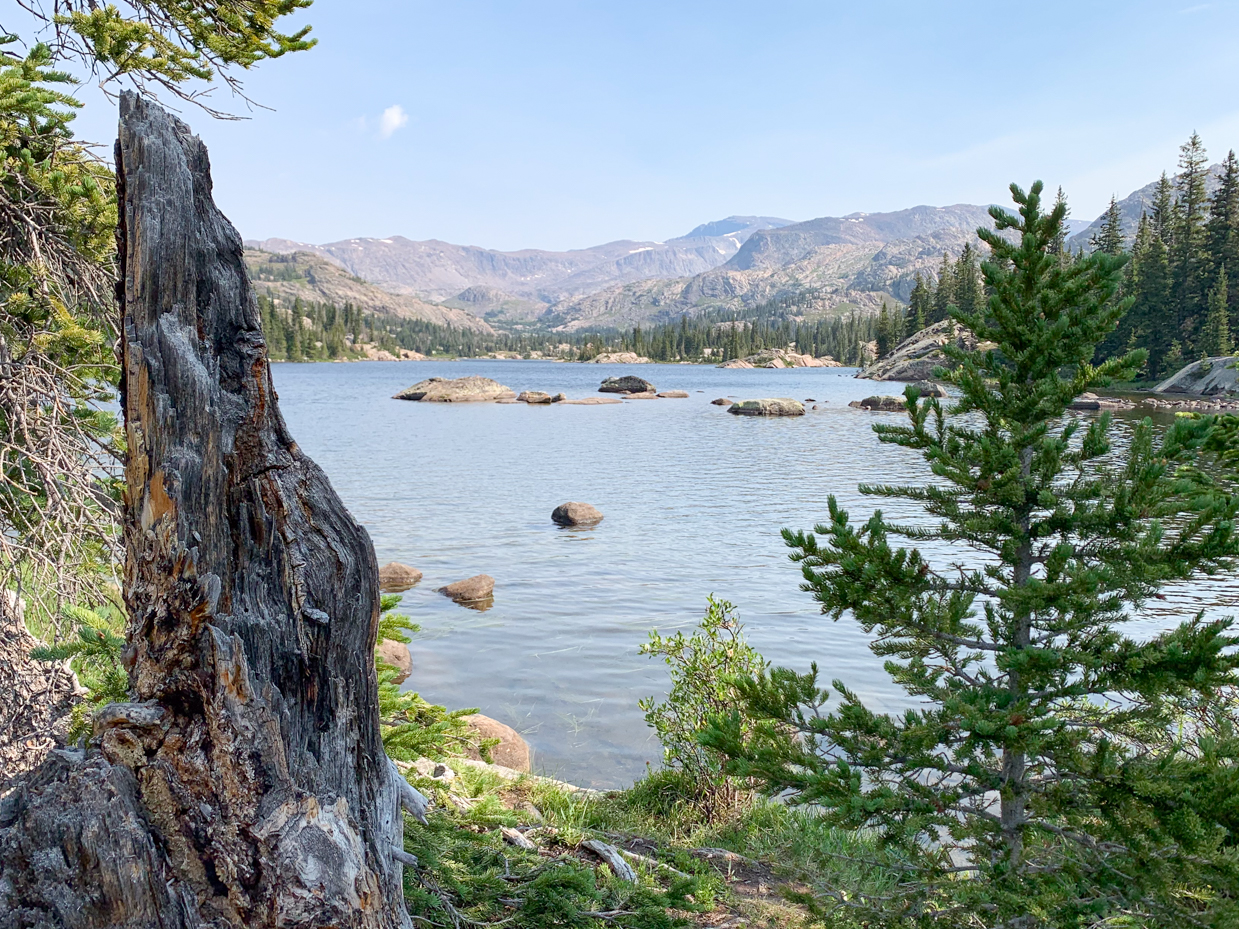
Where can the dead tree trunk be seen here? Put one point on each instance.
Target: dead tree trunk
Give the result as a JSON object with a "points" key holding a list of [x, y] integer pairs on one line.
{"points": [[246, 785]]}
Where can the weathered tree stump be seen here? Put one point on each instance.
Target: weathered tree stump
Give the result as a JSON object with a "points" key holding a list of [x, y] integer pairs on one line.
{"points": [[246, 785]]}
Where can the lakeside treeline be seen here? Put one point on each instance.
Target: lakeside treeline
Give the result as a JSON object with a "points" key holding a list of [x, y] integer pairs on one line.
{"points": [[309, 331]]}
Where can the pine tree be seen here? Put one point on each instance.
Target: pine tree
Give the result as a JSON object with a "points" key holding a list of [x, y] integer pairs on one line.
{"points": [[1109, 238], [1187, 254], [1222, 227], [887, 337], [1217, 324], [1151, 314], [1162, 212], [968, 290], [944, 295], [1018, 792], [919, 303], [1059, 245]]}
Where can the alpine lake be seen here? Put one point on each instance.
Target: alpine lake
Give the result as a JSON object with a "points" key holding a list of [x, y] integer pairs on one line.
{"points": [[693, 498]]}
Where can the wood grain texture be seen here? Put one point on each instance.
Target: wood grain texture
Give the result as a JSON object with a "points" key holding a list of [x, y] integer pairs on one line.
{"points": [[246, 785]]}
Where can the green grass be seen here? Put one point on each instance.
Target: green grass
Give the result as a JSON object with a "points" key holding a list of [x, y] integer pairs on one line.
{"points": [[468, 873]]}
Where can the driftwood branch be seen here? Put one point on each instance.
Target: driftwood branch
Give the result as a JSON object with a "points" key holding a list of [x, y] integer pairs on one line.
{"points": [[246, 784]]}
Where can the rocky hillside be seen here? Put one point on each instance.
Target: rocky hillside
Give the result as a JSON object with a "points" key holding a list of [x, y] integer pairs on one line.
{"points": [[441, 271], [828, 265], [317, 279]]}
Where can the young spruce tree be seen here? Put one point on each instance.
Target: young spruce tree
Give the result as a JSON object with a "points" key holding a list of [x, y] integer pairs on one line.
{"points": [[1018, 792]]}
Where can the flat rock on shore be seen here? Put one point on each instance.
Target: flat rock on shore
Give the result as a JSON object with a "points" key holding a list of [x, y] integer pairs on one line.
{"points": [[456, 390]]}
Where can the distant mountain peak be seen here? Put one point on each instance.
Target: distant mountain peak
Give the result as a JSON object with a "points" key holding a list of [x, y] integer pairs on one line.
{"points": [[736, 224]]}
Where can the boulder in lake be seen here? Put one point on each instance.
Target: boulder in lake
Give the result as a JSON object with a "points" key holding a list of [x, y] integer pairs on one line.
{"points": [[628, 384], [534, 396], [931, 389], [1090, 401], [512, 750], [456, 390], [395, 577], [576, 514], [770, 406], [721, 401], [880, 404], [673, 394], [559, 398], [396, 654], [471, 589]]}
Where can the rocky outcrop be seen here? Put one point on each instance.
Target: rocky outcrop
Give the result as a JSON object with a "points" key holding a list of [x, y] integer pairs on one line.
{"points": [[512, 750], [534, 396], [395, 577], [396, 654], [780, 358], [472, 589], [770, 406], [880, 404], [628, 384], [472, 389], [1210, 377], [916, 357], [619, 358], [576, 514]]}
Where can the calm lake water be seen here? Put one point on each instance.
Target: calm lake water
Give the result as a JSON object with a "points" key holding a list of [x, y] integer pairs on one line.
{"points": [[693, 498]]}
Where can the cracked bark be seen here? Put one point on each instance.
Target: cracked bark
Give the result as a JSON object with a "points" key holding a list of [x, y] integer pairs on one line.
{"points": [[246, 785]]}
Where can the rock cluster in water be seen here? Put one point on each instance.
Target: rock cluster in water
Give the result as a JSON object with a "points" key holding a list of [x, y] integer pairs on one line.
{"points": [[880, 404]]}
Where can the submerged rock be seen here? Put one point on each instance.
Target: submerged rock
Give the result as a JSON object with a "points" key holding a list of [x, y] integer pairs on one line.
{"points": [[478, 588], [629, 384], [591, 401], [576, 514], [770, 406], [721, 401], [674, 394], [456, 390]]}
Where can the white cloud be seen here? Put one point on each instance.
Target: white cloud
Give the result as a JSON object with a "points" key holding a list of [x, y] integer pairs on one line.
{"points": [[392, 119]]}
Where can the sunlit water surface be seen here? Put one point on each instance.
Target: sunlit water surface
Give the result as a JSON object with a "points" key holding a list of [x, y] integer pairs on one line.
{"points": [[693, 498]]}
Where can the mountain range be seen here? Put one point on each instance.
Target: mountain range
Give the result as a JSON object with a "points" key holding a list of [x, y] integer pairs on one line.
{"points": [[829, 265]]}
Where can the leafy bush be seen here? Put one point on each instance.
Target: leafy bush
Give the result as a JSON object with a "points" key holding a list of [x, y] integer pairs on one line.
{"points": [[703, 666]]}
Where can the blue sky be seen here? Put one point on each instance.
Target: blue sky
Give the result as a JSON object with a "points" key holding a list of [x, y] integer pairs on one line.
{"points": [[565, 124]]}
